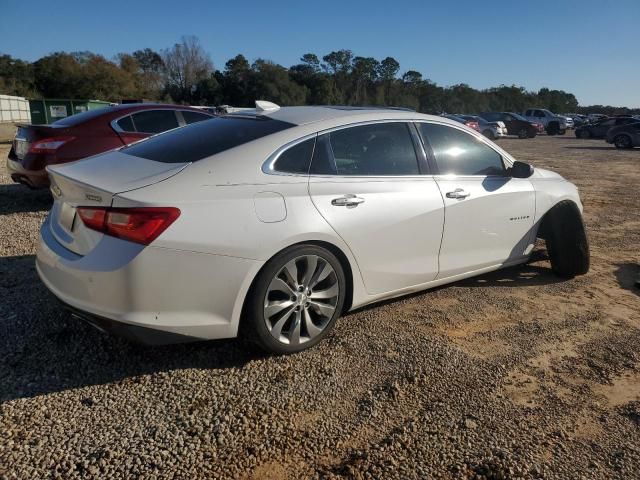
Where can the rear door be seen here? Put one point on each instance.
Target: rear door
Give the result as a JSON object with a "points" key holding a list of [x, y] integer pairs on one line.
{"points": [[488, 215], [368, 182]]}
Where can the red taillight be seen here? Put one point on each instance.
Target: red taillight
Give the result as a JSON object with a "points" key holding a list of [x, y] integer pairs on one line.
{"points": [[49, 145], [140, 225], [473, 124]]}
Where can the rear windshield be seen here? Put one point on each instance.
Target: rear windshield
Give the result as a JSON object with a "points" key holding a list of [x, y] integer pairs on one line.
{"points": [[78, 118], [203, 139]]}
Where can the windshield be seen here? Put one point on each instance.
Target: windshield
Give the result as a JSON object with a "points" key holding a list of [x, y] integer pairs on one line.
{"points": [[518, 117], [203, 139]]}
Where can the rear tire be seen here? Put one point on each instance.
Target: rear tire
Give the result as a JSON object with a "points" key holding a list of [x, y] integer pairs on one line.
{"points": [[622, 142], [584, 134], [523, 133], [295, 300], [566, 240]]}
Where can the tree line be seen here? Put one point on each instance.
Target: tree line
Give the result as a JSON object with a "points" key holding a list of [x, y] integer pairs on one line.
{"points": [[186, 74]]}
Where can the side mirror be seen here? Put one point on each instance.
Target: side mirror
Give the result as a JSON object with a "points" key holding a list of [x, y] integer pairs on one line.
{"points": [[520, 170]]}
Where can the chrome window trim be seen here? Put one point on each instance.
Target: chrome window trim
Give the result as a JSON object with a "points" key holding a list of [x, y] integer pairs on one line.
{"points": [[478, 136], [267, 166]]}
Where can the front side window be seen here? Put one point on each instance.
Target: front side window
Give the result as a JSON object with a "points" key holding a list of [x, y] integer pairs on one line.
{"points": [[155, 121], [459, 153], [295, 159], [376, 149]]}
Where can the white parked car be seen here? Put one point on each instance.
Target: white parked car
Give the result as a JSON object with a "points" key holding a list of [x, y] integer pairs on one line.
{"points": [[275, 221]]}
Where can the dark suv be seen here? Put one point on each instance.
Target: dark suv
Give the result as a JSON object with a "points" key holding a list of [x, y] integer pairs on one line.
{"points": [[516, 124], [90, 133], [600, 129], [625, 136]]}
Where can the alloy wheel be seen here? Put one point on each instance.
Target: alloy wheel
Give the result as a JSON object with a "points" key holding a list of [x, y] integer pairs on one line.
{"points": [[301, 300]]}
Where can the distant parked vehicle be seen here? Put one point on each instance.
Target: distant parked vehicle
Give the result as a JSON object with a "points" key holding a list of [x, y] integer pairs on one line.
{"points": [[516, 124], [553, 124], [458, 118], [491, 130], [625, 136], [600, 129], [89, 133]]}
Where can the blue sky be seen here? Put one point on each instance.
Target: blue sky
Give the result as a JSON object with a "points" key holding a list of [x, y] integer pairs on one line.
{"points": [[588, 47]]}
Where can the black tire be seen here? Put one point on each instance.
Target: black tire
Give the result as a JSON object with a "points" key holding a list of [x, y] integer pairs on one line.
{"points": [[523, 133], [566, 240], [583, 133], [622, 142], [562, 132], [553, 128], [254, 324], [489, 134]]}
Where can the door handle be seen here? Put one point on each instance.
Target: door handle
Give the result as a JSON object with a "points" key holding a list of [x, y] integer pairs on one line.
{"points": [[458, 193], [349, 200]]}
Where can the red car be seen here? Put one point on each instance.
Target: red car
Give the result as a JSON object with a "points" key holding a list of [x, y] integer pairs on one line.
{"points": [[90, 133]]}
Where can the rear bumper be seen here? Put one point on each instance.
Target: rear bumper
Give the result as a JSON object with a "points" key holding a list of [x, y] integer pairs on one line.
{"points": [[31, 178], [150, 294]]}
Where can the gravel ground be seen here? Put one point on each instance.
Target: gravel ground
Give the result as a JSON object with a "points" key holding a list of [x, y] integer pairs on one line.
{"points": [[514, 374]]}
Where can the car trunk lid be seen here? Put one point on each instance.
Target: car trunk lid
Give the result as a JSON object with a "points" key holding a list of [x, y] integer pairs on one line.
{"points": [[26, 135], [93, 182]]}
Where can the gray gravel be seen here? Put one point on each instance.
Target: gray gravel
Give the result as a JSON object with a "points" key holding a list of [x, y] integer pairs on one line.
{"points": [[511, 375]]}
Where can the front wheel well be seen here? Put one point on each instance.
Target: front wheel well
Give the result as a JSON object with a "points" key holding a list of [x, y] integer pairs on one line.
{"points": [[571, 208]]}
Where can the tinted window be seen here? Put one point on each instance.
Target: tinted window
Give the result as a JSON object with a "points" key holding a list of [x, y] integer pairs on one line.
{"points": [[193, 117], [155, 121], [126, 124], [492, 117], [459, 153], [323, 163], [538, 113], [203, 139], [378, 149], [295, 159]]}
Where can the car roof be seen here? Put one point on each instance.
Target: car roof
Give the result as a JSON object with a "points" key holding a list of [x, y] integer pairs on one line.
{"points": [[334, 114]]}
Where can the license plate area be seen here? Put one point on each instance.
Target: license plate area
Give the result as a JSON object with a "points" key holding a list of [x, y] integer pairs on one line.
{"points": [[67, 216], [21, 147]]}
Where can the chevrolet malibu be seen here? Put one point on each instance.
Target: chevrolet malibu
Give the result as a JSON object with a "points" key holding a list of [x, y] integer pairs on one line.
{"points": [[273, 222]]}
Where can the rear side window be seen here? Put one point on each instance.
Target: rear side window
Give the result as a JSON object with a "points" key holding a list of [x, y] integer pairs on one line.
{"points": [[203, 139], [126, 124], [459, 153], [295, 159], [376, 149], [193, 117], [491, 117], [155, 121]]}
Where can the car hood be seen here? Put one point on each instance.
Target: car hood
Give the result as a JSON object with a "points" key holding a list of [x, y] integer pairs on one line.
{"points": [[544, 173]]}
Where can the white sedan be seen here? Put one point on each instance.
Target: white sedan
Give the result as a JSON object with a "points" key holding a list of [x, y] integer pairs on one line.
{"points": [[272, 222]]}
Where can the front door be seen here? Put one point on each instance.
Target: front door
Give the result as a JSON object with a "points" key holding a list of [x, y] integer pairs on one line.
{"points": [[488, 215], [367, 184]]}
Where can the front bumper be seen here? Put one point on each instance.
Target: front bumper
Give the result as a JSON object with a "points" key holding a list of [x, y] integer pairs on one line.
{"points": [[30, 178], [148, 293]]}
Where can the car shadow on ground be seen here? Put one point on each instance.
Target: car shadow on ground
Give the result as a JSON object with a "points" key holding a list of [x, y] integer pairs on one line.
{"points": [[16, 198], [43, 349], [517, 276], [628, 276]]}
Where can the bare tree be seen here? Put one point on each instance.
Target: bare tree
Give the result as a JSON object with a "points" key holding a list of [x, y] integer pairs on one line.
{"points": [[186, 64]]}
